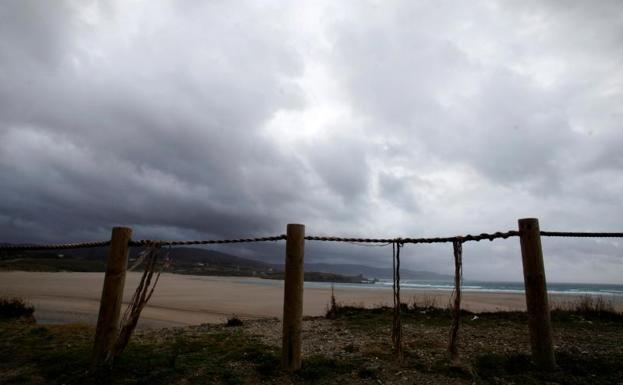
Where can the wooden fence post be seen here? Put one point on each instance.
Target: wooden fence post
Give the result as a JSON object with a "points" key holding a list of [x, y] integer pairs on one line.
{"points": [[293, 298], [112, 295], [539, 322]]}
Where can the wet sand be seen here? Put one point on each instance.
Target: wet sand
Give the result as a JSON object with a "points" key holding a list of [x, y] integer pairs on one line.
{"points": [[189, 300]]}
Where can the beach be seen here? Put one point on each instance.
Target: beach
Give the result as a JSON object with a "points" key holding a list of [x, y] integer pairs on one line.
{"points": [[181, 300]]}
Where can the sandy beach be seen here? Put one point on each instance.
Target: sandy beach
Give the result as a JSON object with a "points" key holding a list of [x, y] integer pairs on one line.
{"points": [[190, 300]]}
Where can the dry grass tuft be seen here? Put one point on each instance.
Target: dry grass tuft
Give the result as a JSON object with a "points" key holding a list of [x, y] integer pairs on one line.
{"points": [[423, 302], [586, 305]]}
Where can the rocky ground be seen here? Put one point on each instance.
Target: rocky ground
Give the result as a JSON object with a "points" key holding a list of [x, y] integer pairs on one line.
{"points": [[494, 347]]}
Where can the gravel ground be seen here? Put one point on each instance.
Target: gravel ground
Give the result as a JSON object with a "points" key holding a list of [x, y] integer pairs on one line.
{"points": [[425, 344], [355, 348]]}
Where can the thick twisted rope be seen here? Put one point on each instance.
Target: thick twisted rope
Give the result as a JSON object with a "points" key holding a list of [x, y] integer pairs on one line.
{"points": [[362, 241], [580, 234], [57, 246], [462, 238], [147, 242]]}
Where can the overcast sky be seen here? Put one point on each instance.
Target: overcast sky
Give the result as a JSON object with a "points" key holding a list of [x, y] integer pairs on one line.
{"points": [[195, 119]]}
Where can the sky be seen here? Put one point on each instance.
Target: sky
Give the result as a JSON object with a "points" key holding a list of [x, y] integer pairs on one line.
{"points": [[220, 119]]}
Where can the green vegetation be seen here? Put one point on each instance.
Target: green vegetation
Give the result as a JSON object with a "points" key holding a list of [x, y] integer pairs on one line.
{"points": [[425, 311], [60, 355], [313, 276], [573, 369], [233, 321], [52, 264], [353, 347], [317, 367], [586, 308]]}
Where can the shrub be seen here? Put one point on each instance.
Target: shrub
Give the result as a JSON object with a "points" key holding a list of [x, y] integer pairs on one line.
{"points": [[334, 308], [233, 321], [15, 308]]}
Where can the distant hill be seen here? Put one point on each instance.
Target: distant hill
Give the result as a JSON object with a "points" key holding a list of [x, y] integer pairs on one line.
{"points": [[190, 260], [375, 272], [183, 255], [195, 255], [184, 260]]}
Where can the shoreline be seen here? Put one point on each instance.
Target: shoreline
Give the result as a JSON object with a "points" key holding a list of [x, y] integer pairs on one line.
{"points": [[181, 300]]}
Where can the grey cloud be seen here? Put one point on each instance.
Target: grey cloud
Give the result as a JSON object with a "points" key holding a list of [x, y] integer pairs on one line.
{"points": [[509, 129], [32, 30], [156, 115], [342, 165], [398, 191]]}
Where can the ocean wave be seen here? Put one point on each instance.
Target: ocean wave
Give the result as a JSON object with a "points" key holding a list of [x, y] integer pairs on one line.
{"points": [[486, 288]]}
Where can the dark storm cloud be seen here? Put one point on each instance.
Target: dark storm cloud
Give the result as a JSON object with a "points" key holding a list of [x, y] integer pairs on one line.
{"points": [[129, 132], [195, 120]]}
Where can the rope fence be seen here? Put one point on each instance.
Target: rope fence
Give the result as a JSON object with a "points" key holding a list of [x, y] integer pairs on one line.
{"points": [[56, 246], [111, 337], [462, 238], [580, 234], [147, 242], [355, 241]]}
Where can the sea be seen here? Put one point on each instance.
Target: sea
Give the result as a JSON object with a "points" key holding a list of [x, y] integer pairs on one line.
{"points": [[590, 289]]}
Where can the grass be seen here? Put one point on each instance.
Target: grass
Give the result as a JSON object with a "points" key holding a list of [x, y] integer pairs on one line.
{"points": [[423, 310], [572, 370], [317, 367], [494, 350], [423, 302], [60, 354], [491, 365], [426, 309], [586, 308], [52, 265]]}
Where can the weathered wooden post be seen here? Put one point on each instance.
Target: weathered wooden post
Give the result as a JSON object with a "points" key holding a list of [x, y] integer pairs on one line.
{"points": [[539, 322], [293, 298], [112, 295]]}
